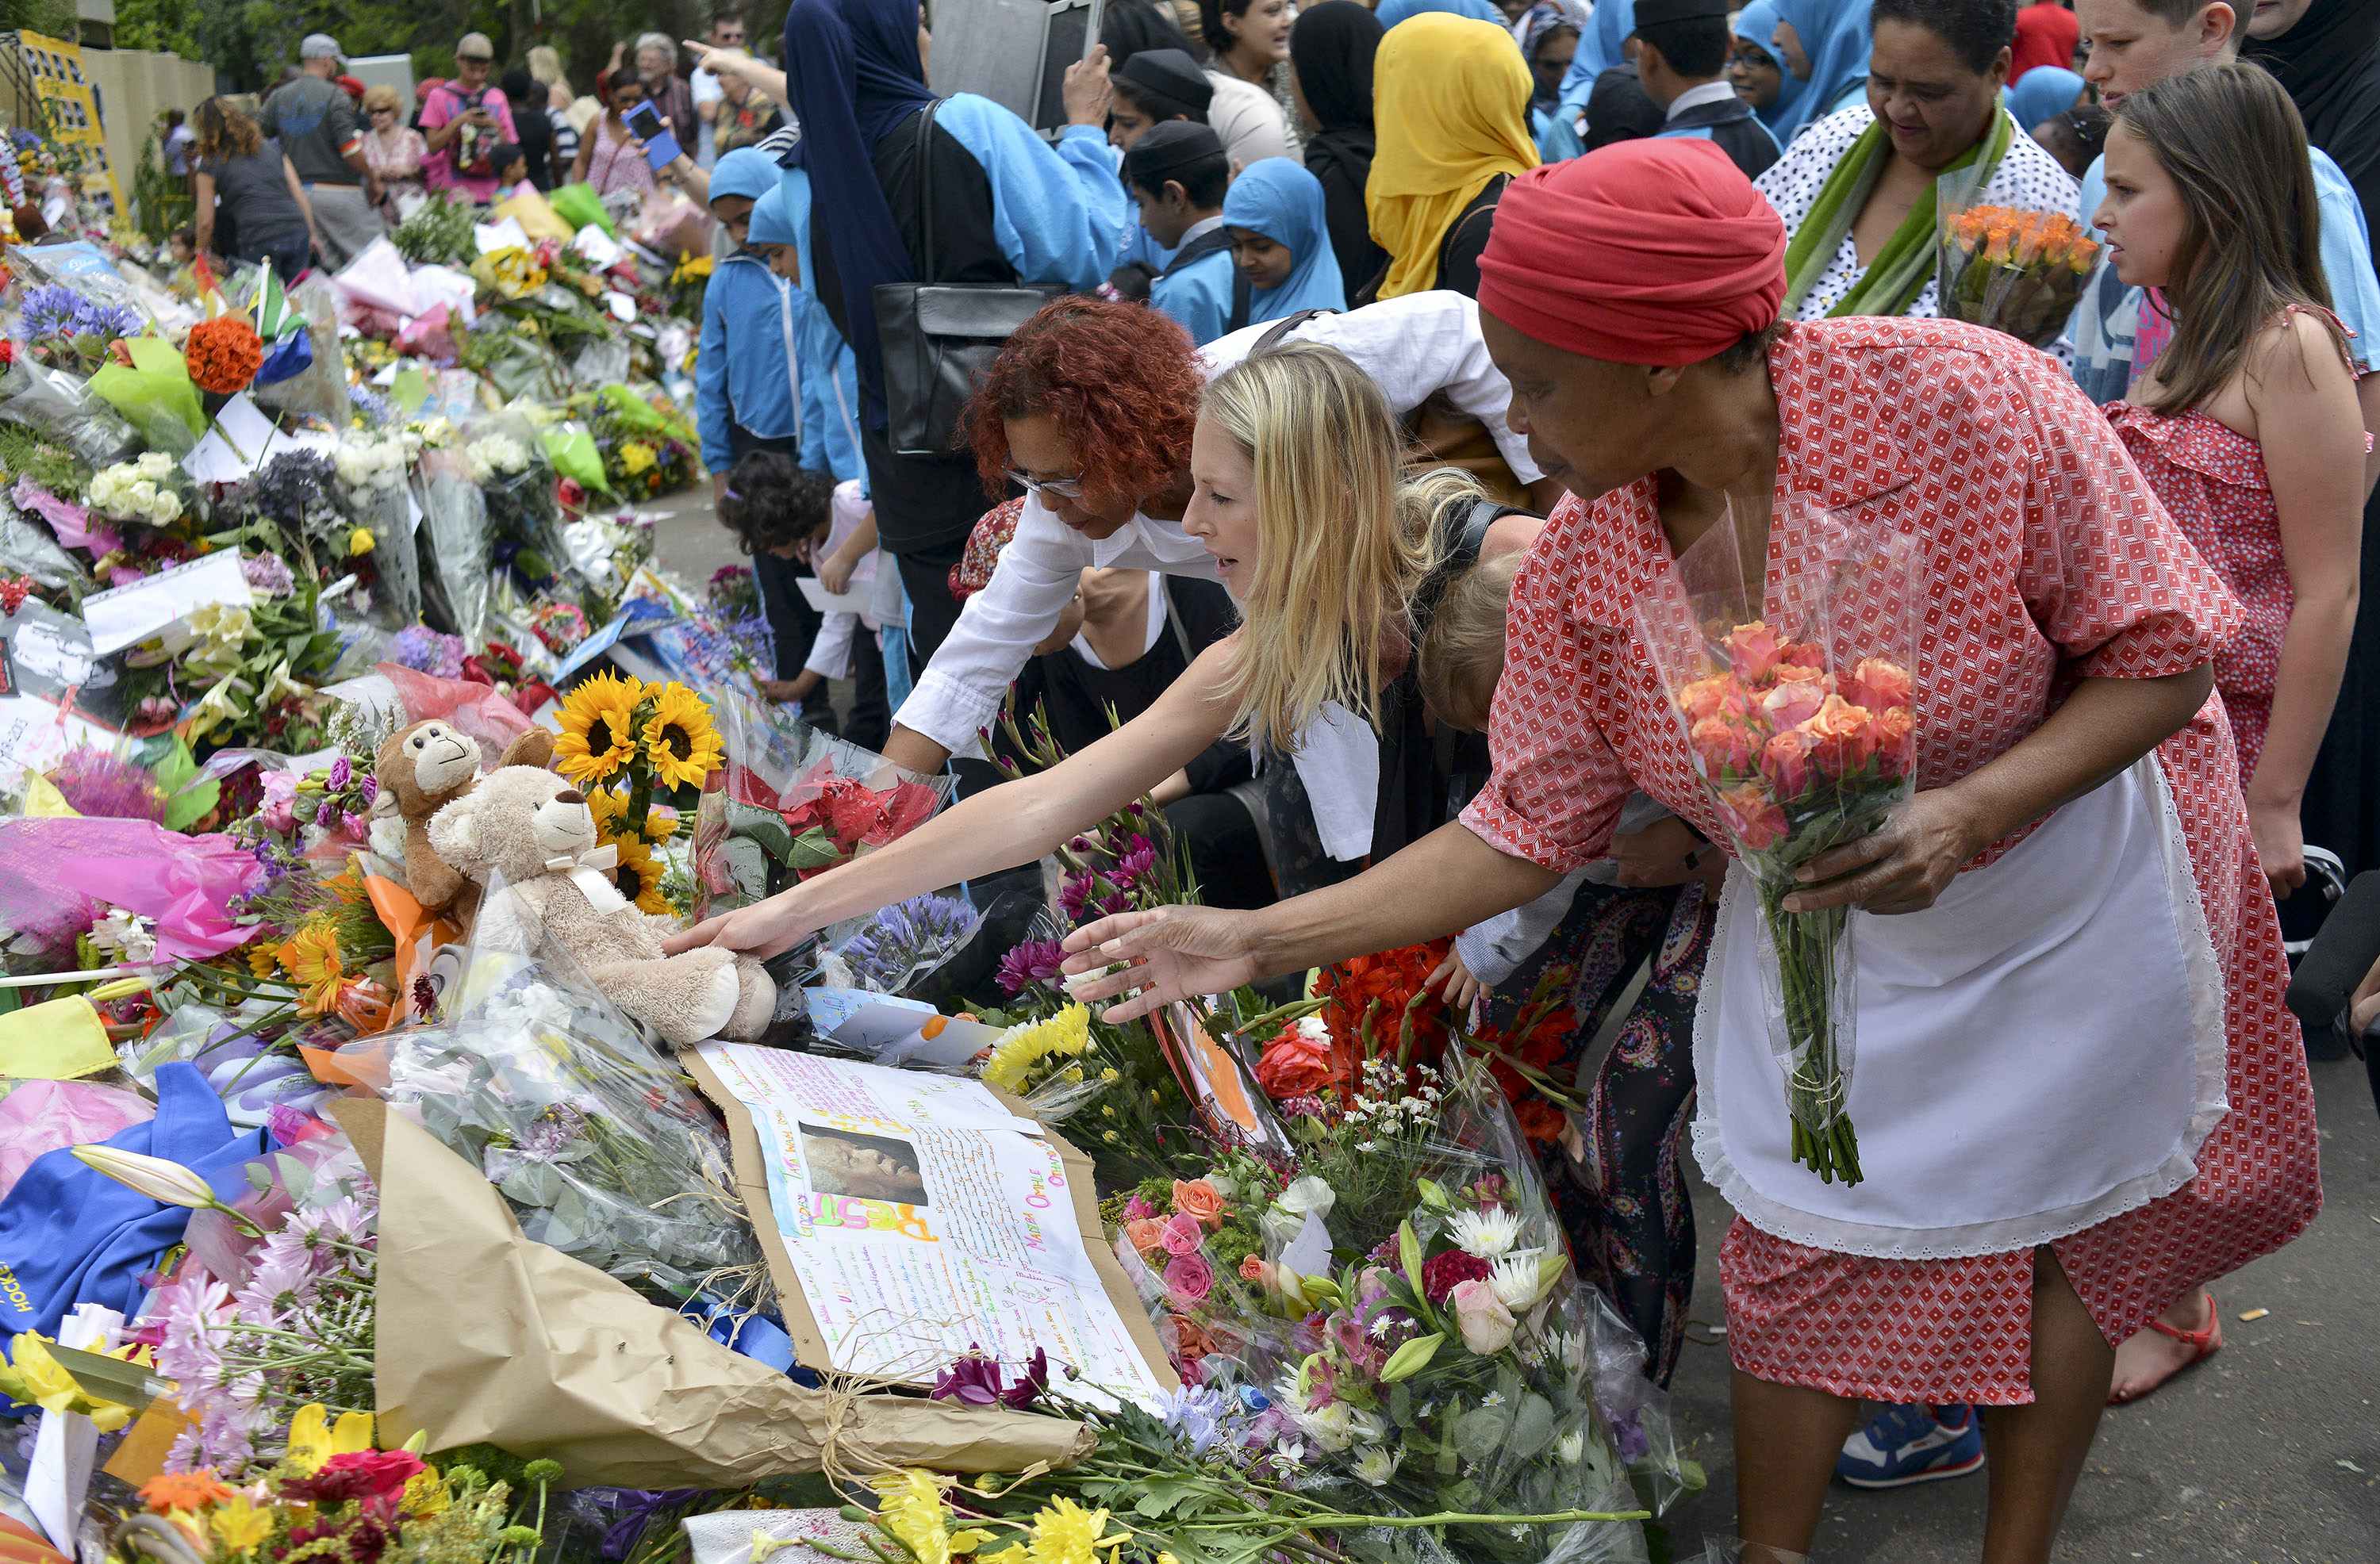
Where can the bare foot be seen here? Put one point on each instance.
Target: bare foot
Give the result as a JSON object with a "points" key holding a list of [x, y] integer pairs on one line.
{"points": [[2152, 1356]]}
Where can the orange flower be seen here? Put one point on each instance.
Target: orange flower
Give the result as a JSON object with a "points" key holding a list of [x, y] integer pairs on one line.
{"points": [[1719, 695], [1381, 986], [1725, 745], [1144, 1235], [1842, 737], [1252, 1268], [1785, 762], [183, 1490], [1200, 1201], [223, 355], [1876, 684], [1752, 653], [1798, 694], [1296, 1065], [1753, 816], [1892, 741]]}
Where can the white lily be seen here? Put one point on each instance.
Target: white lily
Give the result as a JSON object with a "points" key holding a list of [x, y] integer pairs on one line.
{"points": [[170, 1184]]}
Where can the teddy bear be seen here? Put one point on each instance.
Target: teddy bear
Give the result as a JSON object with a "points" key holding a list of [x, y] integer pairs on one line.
{"points": [[420, 770], [532, 830]]}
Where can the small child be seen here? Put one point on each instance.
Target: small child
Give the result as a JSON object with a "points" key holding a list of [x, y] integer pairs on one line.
{"points": [[184, 245], [782, 513], [512, 171], [1278, 219], [2075, 138], [1461, 660], [1177, 175]]}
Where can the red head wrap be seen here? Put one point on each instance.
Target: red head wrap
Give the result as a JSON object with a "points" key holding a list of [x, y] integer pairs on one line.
{"points": [[1643, 252]]}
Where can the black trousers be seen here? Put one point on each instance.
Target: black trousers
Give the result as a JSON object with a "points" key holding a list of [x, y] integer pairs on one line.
{"points": [[793, 623]]}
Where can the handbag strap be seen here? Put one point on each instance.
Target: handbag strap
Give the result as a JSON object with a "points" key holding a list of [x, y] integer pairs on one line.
{"points": [[926, 189], [1287, 324]]}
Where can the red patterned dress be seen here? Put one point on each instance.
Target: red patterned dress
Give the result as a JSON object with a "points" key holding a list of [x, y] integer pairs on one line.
{"points": [[2045, 557]]}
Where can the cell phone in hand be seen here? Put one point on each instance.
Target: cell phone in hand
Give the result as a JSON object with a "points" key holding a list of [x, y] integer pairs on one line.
{"points": [[644, 123]]}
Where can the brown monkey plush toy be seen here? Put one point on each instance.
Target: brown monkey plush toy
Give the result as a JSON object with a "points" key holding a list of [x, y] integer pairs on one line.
{"points": [[420, 770]]}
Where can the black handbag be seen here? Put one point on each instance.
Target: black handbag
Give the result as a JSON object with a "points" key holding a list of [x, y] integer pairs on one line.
{"points": [[938, 341]]}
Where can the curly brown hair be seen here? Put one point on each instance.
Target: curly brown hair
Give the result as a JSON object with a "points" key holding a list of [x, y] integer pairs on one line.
{"points": [[1120, 378], [223, 131]]}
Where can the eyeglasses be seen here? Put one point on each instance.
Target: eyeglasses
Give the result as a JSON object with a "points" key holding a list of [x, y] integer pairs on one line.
{"points": [[1064, 488], [377, 113]]}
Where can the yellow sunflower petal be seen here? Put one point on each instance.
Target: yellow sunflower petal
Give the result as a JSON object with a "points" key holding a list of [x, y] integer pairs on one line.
{"points": [[679, 740], [598, 729]]}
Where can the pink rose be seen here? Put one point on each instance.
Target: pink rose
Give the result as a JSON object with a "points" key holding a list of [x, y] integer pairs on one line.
{"points": [[1725, 744], [1753, 816], [1180, 1235], [1188, 1278], [1785, 761], [1139, 1210], [1752, 651], [1146, 1236], [1481, 1316], [1719, 695], [1799, 694], [1892, 741], [1877, 683]]}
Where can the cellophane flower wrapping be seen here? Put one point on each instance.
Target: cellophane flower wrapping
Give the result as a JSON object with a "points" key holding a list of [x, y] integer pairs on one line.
{"points": [[2014, 269], [600, 1144], [1795, 691], [62, 409], [454, 543], [792, 802], [1422, 1338], [506, 455]]}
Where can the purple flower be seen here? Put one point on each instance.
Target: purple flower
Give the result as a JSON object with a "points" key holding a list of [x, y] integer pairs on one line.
{"points": [[1035, 961], [268, 575], [1137, 861], [327, 816], [370, 791], [1628, 1434], [975, 1380], [99, 784], [425, 650], [343, 771], [1074, 893]]}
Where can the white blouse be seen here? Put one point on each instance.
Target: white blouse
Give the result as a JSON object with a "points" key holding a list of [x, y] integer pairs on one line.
{"points": [[2027, 177]]}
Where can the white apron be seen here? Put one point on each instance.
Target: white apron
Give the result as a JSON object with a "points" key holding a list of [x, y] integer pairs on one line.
{"points": [[2041, 1049]]}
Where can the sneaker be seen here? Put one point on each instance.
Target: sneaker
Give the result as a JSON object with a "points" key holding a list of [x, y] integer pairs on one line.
{"points": [[1903, 1445]]}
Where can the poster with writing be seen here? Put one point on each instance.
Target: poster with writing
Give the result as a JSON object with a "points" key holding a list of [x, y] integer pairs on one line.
{"points": [[923, 1219]]}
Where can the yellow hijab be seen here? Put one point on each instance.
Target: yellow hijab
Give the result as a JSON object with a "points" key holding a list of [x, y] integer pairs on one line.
{"points": [[1451, 108]]}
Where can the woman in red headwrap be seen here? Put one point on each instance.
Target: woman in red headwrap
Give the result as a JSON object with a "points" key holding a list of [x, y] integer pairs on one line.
{"points": [[2050, 1159]]}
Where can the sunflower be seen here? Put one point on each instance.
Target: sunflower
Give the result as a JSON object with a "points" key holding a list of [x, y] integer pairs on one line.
{"points": [[638, 875], [679, 739], [610, 810], [311, 956], [599, 734]]}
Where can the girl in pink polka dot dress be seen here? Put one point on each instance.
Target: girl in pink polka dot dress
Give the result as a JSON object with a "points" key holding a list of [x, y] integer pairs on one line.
{"points": [[2247, 427]]}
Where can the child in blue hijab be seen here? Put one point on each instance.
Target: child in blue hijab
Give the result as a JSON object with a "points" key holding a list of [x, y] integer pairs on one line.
{"points": [[1756, 24], [1281, 240], [828, 373], [1835, 39], [2042, 92], [743, 398], [1391, 12]]}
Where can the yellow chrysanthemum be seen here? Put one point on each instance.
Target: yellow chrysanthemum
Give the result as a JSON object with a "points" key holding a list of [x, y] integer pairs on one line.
{"points": [[599, 734], [679, 739], [262, 959], [637, 877], [1067, 1533], [909, 1506], [636, 456], [238, 1525], [1018, 1050], [311, 957]]}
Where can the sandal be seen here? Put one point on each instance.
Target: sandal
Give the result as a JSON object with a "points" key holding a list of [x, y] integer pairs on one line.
{"points": [[2203, 1343]]}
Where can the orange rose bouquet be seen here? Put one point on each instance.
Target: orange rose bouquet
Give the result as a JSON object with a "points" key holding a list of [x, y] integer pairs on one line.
{"points": [[1797, 702], [2015, 271]]}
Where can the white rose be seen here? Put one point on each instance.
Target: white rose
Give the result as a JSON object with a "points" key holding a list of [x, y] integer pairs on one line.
{"points": [[1308, 1196], [157, 464], [142, 495], [167, 508]]}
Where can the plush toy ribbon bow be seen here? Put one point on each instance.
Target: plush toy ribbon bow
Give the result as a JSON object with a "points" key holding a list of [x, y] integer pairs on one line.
{"points": [[592, 874]]}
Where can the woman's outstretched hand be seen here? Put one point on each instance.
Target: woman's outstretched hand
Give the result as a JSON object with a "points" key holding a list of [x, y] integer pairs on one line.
{"points": [[763, 929], [1170, 953]]}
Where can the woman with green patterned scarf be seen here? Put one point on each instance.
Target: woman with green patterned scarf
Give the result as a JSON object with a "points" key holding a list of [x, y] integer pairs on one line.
{"points": [[1858, 190]]}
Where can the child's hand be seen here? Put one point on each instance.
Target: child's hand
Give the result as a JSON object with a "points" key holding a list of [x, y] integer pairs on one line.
{"points": [[1462, 990], [834, 573]]}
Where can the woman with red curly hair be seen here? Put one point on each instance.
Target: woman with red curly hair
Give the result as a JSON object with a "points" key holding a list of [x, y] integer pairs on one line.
{"points": [[1090, 408]]}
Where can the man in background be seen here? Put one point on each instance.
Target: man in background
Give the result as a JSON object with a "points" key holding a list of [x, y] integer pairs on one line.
{"points": [[314, 120], [726, 33]]}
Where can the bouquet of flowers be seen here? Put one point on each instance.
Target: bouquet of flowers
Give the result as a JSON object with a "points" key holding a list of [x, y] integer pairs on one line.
{"points": [[641, 753], [68, 331], [524, 520], [439, 232], [1798, 705], [2014, 271], [602, 1148], [142, 491], [333, 1495]]}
